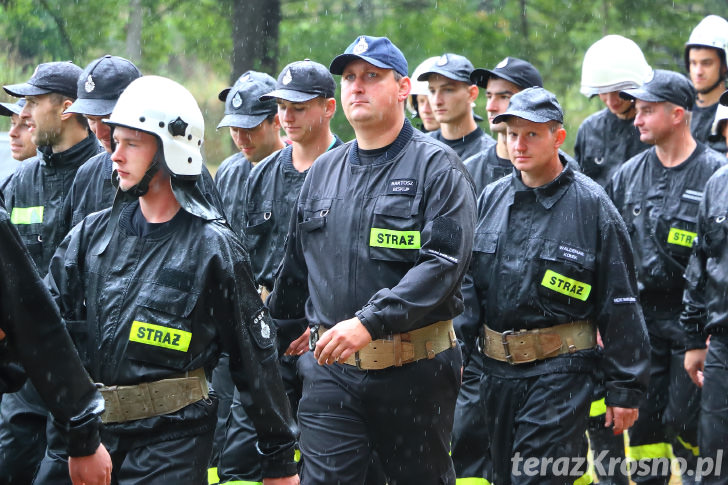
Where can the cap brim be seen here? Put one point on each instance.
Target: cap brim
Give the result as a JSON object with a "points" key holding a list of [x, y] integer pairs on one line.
{"points": [[222, 96], [480, 77], [526, 115], [10, 109], [341, 61], [288, 95], [724, 99], [242, 121], [641, 94], [443, 73], [92, 107], [24, 89]]}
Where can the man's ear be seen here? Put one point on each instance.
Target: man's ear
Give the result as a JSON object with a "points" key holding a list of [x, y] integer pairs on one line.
{"points": [[405, 86], [64, 106]]}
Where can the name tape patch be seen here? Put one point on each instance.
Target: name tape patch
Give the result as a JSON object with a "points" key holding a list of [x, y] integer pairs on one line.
{"points": [[27, 215], [681, 237], [402, 186], [566, 286], [159, 336], [571, 254], [389, 238]]}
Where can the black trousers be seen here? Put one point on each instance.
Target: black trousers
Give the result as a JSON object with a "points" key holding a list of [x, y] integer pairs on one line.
{"points": [[713, 429], [537, 427], [404, 413]]}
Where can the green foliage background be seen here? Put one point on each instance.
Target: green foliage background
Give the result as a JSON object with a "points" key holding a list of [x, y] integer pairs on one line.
{"points": [[191, 40]]}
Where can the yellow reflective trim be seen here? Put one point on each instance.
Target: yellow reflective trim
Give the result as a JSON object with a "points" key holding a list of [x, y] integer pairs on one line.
{"points": [[585, 479], [389, 238], [681, 237], [27, 215], [694, 449], [242, 482], [598, 408], [649, 452], [566, 286], [297, 456], [159, 336], [212, 477], [471, 481]]}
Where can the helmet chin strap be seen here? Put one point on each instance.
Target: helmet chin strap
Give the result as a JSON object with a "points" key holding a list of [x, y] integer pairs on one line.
{"points": [[142, 187], [719, 82]]}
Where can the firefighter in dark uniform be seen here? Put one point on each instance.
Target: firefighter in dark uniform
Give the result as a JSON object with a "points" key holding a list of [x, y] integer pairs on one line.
{"points": [[152, 290], [418, 102], [33, 342], [657, 192], [719, 130], [34, 197], [704, 316], [21, 146], [378, 245], [304, 93], [452, 95], [608, 138], [705, 61], [552, 263]]}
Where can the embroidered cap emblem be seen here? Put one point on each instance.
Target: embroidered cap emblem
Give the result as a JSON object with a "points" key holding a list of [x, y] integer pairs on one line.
{"points": [[360, 46], [90, 84], [442, 60], [502, 64], [287, 78], [237, 101]]}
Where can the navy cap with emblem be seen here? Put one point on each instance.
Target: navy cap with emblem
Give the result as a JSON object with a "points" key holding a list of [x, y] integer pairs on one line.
{"points": [[724, 98], [665, 86], [451, 66], [10, 109], [377, 51], [514, 70], [301, 81], [243, 107], [533, 104], [49, 77], [100, 85]]}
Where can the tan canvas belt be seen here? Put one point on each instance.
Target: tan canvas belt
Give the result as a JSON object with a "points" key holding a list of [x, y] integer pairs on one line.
{"points": [[127, 403], [399, 348], [518, 347], [263, 291]]}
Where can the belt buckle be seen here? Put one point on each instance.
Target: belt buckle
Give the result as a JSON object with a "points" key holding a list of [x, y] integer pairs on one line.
{"points": [[506, 345], [313, 337]]}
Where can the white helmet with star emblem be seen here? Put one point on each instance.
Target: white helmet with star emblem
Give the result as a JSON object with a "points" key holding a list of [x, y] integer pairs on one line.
{"points": [[166, 109]]}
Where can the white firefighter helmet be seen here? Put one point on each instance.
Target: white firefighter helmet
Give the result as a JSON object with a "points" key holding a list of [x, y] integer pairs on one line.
{"points": [[613, 63], [721, 115], [712, 31], [166, 109], [419, 87]]}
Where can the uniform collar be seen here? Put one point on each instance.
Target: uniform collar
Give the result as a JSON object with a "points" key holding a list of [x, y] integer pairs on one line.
{"points": [[548, 195], [80, 152], [404, 136]]}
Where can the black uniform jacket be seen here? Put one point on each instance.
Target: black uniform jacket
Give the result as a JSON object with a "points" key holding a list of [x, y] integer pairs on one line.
{"points": [[474, 142], [37, 340], [387, 241], [603, 143], [552, 255], [230, 179], [486, 167], [660, 207], [701, 125], [269, 199], [36, 193], [705, 302], [150, 307]]}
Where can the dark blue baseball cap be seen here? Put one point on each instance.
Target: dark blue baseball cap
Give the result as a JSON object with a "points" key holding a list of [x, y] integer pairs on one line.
{"points": [[10, 109], [451, 66], [302, 81], [533, 104], [49, 77], [377, 51], [665, 86], [512, 69], [243, 107], [100, 85]]}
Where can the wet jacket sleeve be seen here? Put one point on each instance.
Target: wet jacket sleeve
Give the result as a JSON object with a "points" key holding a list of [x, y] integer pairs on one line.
{"points": [[249, 337], [620, 320], [39, 341], [446, 244], [694, 314], [467, 324]]}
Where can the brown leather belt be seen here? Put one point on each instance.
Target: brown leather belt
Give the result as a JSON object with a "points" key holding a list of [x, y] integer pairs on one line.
{"points": [[398, 348], [127, 403], [519, 347]]}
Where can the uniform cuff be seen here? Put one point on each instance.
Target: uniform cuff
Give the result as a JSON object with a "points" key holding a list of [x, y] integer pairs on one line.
{"points": [[83, 440], [371, 322], [623, 398]]}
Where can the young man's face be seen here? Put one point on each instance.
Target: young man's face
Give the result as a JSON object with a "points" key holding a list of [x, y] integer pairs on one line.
{"points": [[101, 130], [42, 114], [451, 101], [705, 67], [426, 115], [532, 146], [133, 155], [498, 92], [21, 145], [653, 120], [370, 95], [259, 142], [620, 107], [305, 121]]}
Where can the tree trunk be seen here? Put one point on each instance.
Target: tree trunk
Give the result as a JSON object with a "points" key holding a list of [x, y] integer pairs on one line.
{"points": [[134, 31], [255, 36]]}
